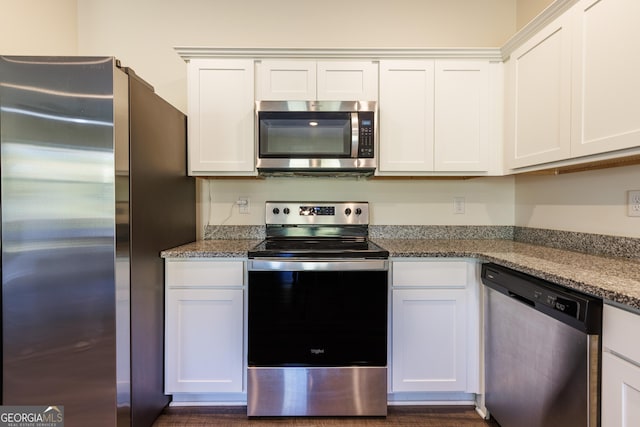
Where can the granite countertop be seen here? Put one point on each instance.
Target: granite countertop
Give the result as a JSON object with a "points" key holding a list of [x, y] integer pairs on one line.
{"points": [[611, 278], [212, 249]]}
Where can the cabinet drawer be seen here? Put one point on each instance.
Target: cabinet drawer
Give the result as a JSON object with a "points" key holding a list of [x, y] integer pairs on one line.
{"points": [[450, 274], [619, 329], [204, 273]]}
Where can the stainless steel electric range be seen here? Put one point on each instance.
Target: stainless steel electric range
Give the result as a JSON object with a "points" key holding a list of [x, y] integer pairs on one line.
{"points": [[317, 313]]}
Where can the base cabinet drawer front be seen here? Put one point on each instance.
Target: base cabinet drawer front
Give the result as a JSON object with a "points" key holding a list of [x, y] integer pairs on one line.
{"points": [[620, 392], [431, 273], [204, 341], [429, 340], [205, 273]]}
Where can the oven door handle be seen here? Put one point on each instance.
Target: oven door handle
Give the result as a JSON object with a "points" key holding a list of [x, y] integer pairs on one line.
{"points": [[277, 264]]}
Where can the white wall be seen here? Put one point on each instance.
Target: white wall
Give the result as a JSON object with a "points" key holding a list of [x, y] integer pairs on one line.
{"points": [[143, 33], [593, 201], [38, 27], [526, 10], [489, 201]]}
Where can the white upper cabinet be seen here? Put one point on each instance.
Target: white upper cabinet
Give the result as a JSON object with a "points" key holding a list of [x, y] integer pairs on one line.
{"points": [[461, 116], [539, 97], [606, 85], [221, 117], [347, 81], [406, 117], [280, 80], [434, 116], [307, 80], [573, 88]]}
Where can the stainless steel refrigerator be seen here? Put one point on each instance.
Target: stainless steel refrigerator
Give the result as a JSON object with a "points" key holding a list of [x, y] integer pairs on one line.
{"points": [[94, 186]]}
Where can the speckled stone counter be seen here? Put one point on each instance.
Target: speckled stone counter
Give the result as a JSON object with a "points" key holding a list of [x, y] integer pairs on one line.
{"points": [[222, 248], [611, 278], [614, 279]]}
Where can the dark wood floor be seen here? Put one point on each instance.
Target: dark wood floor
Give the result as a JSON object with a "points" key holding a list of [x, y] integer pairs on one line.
{"points": [[427, 416]]}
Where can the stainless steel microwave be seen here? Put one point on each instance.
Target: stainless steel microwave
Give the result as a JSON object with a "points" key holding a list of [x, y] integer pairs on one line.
{"points": [[316, 137]]}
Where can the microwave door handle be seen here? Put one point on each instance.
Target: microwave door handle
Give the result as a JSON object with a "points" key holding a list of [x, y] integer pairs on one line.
{"points": [[355, 130]]}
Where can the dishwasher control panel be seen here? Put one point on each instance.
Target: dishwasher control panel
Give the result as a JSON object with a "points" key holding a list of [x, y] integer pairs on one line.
{"points": [[569, 305]]}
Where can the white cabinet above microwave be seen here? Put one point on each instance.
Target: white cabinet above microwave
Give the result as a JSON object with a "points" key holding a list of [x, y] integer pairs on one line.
{"points": [[308, 80]]}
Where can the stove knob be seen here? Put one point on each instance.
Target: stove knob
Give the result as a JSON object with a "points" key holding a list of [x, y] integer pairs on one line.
{"points": [[347, 211], [358, 211], [286, 211], [276, 211]]}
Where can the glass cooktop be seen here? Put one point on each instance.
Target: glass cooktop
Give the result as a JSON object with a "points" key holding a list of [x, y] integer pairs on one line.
{"points": [[320, 248]]}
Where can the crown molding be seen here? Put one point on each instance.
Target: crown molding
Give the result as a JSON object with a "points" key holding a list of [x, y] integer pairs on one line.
{"points": [[498, 54], [191, 52], [553, 11]]}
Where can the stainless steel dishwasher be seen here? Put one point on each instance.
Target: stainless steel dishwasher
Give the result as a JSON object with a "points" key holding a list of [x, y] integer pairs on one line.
{"points": [[542, 351]]}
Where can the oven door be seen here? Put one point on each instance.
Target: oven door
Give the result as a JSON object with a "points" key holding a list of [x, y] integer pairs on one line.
{"points": [[317, 313]]}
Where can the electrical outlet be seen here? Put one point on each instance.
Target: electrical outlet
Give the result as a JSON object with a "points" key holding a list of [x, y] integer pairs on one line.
{"points": [[243, 205], [633, 203], [458, 205]]}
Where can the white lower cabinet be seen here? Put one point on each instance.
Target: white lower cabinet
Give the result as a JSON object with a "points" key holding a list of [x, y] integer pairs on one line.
{"points": [[435, 326], [429, 340], [620, 369], [204, 350]]}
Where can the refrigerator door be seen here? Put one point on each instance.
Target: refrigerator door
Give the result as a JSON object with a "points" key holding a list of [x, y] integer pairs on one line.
{"points": [[58, 235], [162, 199]]}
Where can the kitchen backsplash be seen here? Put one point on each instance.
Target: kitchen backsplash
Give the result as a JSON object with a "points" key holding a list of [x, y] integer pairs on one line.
{"points": [[234, 232], [440, 232], [598, 244]]}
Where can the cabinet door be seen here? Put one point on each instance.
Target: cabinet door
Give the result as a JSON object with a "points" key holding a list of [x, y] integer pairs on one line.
{"points": [[221, 116], [606, 109], [204, 351], [406, 116], [281, 80], [620, 392], [539, 91], [347, 81], [461, 115], [429, 351]]}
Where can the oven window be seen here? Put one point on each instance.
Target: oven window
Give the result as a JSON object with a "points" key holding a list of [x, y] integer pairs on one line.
{"points": [[305, 318], [308, 135]]}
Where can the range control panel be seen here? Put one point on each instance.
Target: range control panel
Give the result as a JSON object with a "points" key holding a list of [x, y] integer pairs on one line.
{"points": [[325, 213]]}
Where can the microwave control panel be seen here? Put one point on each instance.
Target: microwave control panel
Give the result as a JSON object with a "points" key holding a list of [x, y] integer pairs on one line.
{"points": [[366, 135]]}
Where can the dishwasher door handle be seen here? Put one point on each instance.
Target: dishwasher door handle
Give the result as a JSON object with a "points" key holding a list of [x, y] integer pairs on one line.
{"points": [[521, 299]]}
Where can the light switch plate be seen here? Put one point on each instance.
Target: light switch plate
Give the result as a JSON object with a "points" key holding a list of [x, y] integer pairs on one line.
{"points": [[633, 203], [458, 205]]}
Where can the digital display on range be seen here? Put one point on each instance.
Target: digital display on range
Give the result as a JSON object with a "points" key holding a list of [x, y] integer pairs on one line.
{"points": [[317, 210]]}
